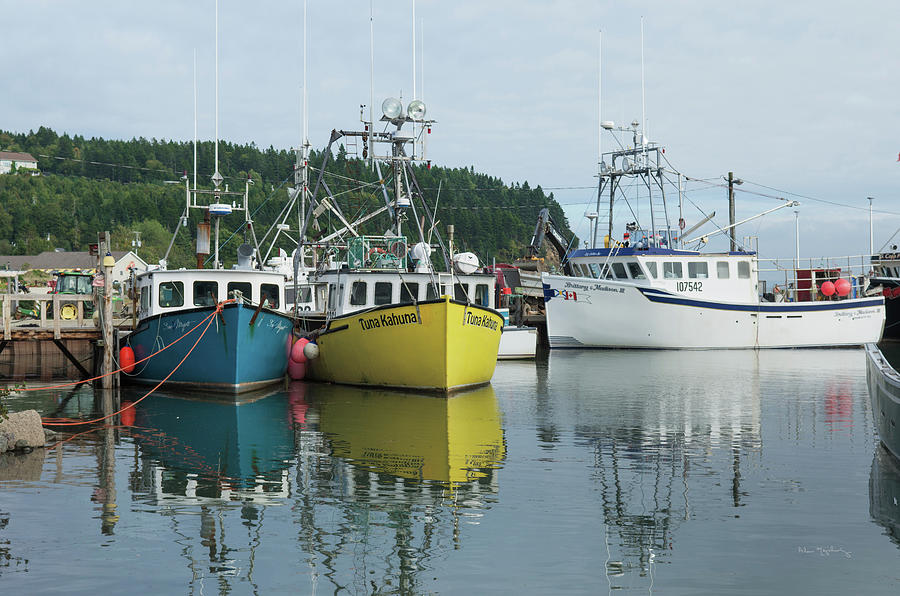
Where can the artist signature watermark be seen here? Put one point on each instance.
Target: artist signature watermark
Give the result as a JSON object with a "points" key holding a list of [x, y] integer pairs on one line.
{"points": [[824, 551]]}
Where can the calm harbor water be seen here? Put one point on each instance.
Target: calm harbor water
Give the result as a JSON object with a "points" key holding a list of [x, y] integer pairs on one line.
{"points": [[621, 472]]}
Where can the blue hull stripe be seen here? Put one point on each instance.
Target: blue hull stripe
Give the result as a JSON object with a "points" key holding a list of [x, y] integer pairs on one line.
{"points": [[655, 295]]}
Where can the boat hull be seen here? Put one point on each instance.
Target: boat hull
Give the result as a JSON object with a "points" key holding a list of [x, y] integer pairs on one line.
{"points": [[585, 312], [884, 393], [518, 343], [438, 345], [233, 356]]}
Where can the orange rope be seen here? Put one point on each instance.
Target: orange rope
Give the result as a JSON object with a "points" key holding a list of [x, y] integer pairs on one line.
{"points": [[48, 421], [212, 314]]}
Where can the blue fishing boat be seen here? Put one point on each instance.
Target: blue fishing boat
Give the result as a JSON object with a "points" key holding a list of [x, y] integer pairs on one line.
{"points": [[242, 347]]}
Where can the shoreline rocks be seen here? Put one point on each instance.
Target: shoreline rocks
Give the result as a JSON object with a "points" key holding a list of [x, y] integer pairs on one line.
{"points": [[23, 431]]}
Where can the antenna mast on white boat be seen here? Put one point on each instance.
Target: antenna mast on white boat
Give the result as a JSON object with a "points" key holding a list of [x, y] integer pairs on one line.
{"points": [[599, 135]]}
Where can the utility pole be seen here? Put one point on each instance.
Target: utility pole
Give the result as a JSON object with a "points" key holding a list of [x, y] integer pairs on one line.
{"points": [[871, 230]]}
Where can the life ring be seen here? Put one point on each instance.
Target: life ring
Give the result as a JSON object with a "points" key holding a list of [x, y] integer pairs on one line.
{"points": [[131, 265], [398, 249]]}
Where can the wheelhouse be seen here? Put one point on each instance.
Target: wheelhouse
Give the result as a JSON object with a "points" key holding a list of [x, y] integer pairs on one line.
{"points": [[723, 276], [165, 291], [350, 291]]}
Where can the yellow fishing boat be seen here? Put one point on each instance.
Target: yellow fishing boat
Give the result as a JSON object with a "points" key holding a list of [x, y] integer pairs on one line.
{"points": [[436, 345], [454, 440]]}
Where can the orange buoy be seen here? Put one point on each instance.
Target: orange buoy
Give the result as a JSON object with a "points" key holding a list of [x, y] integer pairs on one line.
{"points": [[127, 416], [827, 288], [126, 359], [842, 287]]}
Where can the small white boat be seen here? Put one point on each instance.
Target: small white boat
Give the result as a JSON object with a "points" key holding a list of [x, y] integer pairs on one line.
{"points": [[517, 342]]}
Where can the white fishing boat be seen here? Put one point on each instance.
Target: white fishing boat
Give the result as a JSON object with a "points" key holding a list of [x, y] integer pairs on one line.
{"points": [[644, 290], [518, 342]]}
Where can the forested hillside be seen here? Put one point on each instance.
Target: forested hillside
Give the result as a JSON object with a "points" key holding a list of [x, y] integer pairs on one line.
{"points": [[91, 185]]}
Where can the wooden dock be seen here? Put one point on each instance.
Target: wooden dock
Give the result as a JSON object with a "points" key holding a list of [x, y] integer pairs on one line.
{"points": [[59, 318]]}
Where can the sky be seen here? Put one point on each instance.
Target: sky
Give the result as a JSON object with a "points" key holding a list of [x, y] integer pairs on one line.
{"points": [[798, 99]]}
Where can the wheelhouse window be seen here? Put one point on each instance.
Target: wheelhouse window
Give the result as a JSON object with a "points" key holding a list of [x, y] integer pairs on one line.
{"points": [[358, 293], [651, 267], [384, 292], [698, 270], [482, 295], [171, 293], [268, 295], [460, 292], [672, 270], [305, 294], [619, 271], [145, 298], [244, 287], [595, 270], [744, 269], [634, 268], [206, 293], [409, 292], [722, 270], [430, 294]]}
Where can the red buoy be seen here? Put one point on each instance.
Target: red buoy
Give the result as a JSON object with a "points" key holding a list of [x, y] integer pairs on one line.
{"points": [[126, 359], [842, 287], [297, 350], [827, 288]]}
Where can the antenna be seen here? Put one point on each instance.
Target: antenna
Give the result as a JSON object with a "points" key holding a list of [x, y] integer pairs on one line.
{"points": [[599, 102], [643, 104], [217, 177], [413, 96], [372, 79], [195, 118]]}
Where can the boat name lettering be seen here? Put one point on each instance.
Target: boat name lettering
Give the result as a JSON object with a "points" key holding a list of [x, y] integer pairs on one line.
{"points": [[689, 286], [577, 286], [481, 321], [387, 320], [177, 325]]}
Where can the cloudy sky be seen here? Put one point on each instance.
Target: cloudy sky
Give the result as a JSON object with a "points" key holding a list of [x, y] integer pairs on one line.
{"points": [[793, 97]]}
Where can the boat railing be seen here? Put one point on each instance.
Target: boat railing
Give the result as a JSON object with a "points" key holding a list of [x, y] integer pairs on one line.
{"points": [[802, 279]]}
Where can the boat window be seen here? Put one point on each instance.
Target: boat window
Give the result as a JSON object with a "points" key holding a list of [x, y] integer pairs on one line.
{"points": [[583, 270], [744, 269], [482, 295], [595, 270], [444, 291], [605, 272], [269, 293], [384, 292], [145, 298], [171, 293], [461, 292], [672, 270], [635, 270], [651, 267], [332, 298], [722, 269], [305, 294], [358, 293], [206, 293], [244, 287], [619, 271], [430, 294], [409, 292], [698, 270]]}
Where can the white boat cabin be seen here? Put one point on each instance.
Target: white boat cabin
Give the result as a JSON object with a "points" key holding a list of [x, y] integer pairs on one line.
{"points": [[348, 290], [731, 277], [161, 291]]}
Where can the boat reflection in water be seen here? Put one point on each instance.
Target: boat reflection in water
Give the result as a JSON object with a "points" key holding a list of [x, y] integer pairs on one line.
{"points": [[884, 492], [658, 448], [452, 440], [344, 466], [215, 447]]}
